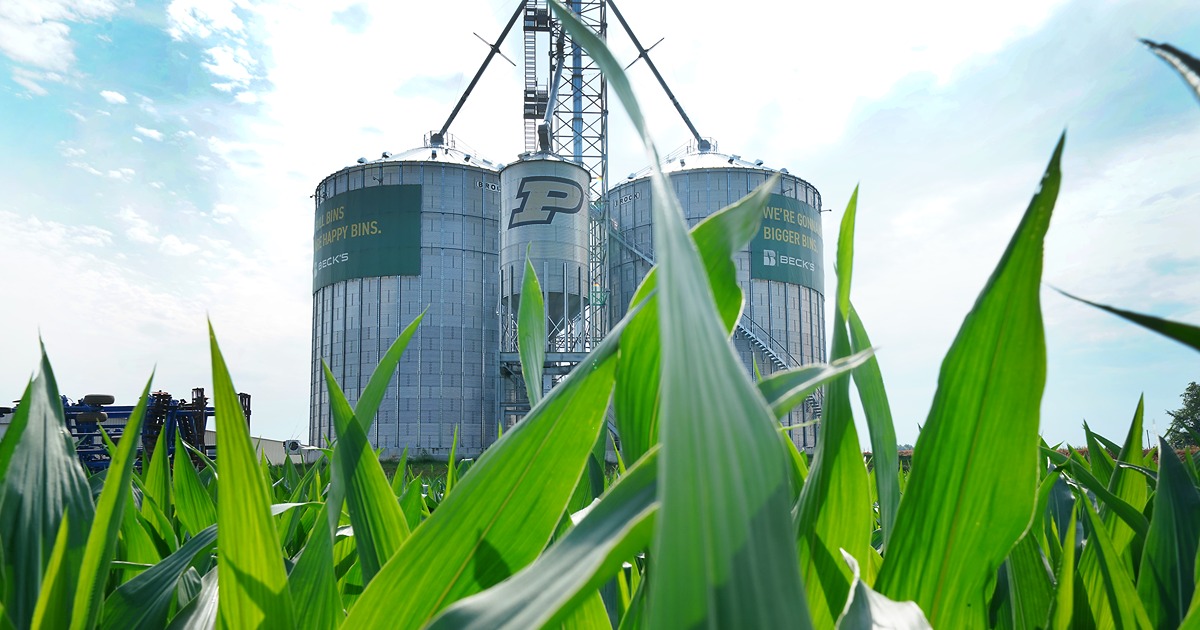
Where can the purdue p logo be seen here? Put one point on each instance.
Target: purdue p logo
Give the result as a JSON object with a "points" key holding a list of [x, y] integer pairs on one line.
{"points": [[543, 197]]}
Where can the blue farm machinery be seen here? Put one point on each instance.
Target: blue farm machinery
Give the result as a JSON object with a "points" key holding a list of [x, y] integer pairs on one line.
{"points": [[165, 415]]}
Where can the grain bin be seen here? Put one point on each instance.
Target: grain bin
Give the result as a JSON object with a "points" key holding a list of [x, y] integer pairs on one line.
{"points": [[781, 272], [544, 212], [394, 237]]}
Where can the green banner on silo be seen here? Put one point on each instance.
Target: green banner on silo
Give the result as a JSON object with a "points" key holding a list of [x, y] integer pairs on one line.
{"points": [[368, 232], [788, 246]]}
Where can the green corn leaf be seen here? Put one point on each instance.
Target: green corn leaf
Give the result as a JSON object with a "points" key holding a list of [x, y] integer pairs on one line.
{"points": [[43, 483], [531, 333], [10, 439], [724, 534], [451, 468], [413, 504], [398, 484], [867, 609], [53, 608], [379, 525], [201, 612], [1107, 582], [138, 544], [145, 601], [1186, 65], [156, 484], [1099, 461], [500, 516], [590, 614], [1186, 334], [1061, 617], [974, 476], [1030, 588], [366, 408], [251, 576], [5, 622], [1166, 580], [102, 540], [545, 592], [717, 237], [786, 389], [193, 505], [835, 505], [312, 582], [868, 380], [372, 395], [1129, 514], [1128, 484]]}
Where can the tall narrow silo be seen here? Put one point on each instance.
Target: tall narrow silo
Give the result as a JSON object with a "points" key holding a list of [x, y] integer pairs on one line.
{"points": [[394, 237], [781, 272], [544, 212]]}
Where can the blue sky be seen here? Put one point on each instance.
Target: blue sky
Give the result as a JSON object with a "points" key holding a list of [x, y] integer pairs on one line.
{"points": [[158, 159]]}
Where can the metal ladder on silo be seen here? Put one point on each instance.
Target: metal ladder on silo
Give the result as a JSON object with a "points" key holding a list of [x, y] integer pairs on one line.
{"points": [[758, 342]]}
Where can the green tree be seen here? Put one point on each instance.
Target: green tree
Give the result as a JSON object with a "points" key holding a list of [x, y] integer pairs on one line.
{"points": [[1185, 421]]}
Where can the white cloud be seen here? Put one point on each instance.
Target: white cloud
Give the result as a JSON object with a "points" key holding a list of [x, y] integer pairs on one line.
{"points": [[136, 228], [113, 98], [69, 151], [153, 134], [85, 167], [123, 174], [35, 33], [136, 139], [224, 213], [146, 104], [234, 64], [203, 18], [173, 246]]}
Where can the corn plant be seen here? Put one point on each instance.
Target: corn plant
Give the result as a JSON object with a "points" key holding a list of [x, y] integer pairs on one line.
{"points": [[715, 519]]}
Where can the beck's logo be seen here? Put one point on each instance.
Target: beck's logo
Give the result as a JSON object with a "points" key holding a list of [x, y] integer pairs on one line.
{"points": [[542, 197], [768, 258]]}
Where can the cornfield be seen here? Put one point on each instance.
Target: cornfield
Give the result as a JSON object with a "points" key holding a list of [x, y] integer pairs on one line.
{"points": [[715, 520]]}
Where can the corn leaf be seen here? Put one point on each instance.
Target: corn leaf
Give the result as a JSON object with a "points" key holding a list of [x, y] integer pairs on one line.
{"points": [[252, 580], [193, 505], [312, 581], [1166, 580], [1186, 334], [786, 389], [1186, 65], [53, 608], [372, 395], [379, 525], [145, 601], [102, 540], [867, 609], [201, 612], [571, 570], [1112, 597], [156, 484], [717, 237], [835, 505], [1061, 617], [531, 333], [868, 380], [1130, 485], [723, 481], [500, 516], [590, 614], [43, 483], [1030, 589], [974, 474]]}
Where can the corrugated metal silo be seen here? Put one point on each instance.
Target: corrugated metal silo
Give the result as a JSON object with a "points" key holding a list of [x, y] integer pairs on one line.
{"points": [[781, 272], [544, 212], [394, 237]]}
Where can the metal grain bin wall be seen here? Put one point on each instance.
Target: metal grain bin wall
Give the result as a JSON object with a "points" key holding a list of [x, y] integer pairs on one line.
{"points": [[393, 238], [545, 213], [781, 272]]}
